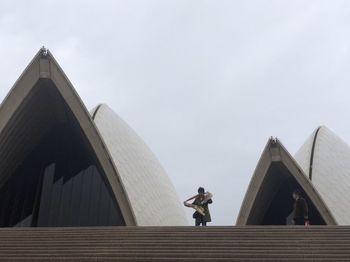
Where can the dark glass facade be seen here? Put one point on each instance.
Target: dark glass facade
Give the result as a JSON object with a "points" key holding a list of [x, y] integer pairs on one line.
{"points": [[280, 208], [59, 183]]}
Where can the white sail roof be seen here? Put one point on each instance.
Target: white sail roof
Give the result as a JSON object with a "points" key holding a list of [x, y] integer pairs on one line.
{"points": [[277, 169], [325, 159], [151, 194], [42, 97]]}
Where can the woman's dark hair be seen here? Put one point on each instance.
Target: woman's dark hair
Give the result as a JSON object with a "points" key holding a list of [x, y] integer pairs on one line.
{"points": [[201, 190]]}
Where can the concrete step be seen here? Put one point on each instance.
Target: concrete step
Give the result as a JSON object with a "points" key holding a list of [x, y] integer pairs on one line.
{"points": [[259, 243]]}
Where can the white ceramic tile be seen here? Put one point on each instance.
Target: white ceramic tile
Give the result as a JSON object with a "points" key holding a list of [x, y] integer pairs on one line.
{"points": [[150, 191]]}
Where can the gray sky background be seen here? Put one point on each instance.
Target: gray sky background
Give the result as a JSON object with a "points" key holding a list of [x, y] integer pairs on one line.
{"points": [[204, 83]]}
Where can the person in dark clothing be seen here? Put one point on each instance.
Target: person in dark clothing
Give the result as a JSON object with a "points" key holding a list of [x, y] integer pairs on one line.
{"points": [[300, 213], [202, 200]]}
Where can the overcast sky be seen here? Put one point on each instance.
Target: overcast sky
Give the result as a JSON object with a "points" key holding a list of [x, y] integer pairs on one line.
{"points": [[204, 83]]}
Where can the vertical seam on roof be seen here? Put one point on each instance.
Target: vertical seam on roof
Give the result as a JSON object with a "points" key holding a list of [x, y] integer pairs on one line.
{"points": [[94, 114], [312, 153]]}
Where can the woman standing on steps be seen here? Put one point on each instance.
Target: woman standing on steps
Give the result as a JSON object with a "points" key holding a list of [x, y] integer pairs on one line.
{"points": [[200, 203], [300, 212]]}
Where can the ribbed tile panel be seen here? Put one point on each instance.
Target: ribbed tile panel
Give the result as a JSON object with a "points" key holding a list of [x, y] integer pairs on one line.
{"points": [[259, 243]]}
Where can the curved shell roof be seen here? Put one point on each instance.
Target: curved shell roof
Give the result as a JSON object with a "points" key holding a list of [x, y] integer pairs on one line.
{"points": [[275, 167], [137, 182], [325, 159], [24, 123], [152, 196]]}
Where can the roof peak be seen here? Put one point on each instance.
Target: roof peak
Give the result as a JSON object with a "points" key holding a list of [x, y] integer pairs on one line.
{"points": [[44, 51]]}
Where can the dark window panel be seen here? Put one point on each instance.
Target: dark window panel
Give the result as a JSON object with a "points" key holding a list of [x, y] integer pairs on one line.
{"points": [[45, 199], [55, 202], [115, 218], [5, 197], [58, 184], [10, 202], [95, 196], [76, 198], [104, 205], [85, 197], [64, 209]]}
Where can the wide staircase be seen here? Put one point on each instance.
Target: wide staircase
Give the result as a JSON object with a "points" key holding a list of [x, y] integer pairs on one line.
{"points": [[259, 243]]}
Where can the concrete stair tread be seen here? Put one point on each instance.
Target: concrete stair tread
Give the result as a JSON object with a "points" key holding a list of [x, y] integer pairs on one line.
{"points": [[283, 243]]}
